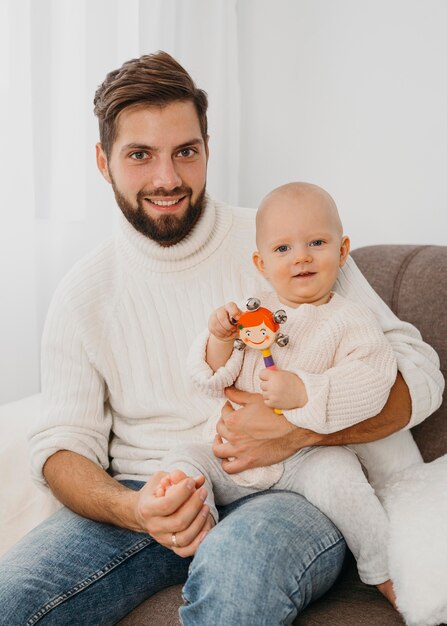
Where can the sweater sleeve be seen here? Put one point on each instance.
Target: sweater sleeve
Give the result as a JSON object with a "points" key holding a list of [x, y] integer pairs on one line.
{"points": [[73, 415], [204, 378], [416, 360], [358, 384]]}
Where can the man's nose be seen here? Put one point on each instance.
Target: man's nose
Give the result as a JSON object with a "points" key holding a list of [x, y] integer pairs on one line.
{"points": [[165, 175]]}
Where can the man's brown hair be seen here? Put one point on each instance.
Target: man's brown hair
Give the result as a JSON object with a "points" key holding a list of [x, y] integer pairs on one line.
{"points": [[152, 79]]}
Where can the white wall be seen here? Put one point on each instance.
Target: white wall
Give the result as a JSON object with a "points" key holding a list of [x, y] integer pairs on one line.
{"points": [[352, 95], [349, 94]]}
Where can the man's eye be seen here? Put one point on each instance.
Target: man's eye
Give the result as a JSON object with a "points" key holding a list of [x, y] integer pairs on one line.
{"points": [[316, 242], [282, 248], [186, 152], [139, 156]]}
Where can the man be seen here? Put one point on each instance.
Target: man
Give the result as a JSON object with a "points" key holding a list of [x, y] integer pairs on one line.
{"points": [[117, 397]]}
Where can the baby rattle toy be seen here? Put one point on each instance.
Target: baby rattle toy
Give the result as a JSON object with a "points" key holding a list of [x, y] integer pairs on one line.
{"points": [[259, 328]]}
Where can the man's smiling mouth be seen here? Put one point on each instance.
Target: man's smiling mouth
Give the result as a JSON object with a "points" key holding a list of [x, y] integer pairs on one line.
{"points": [[165, 202]]}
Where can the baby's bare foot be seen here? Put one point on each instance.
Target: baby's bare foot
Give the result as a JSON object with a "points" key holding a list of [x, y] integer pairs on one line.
{"points": [[168, 481], [163, 486], [387, 590]]}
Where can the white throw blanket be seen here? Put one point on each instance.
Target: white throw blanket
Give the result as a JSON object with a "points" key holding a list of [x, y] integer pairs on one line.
{"points": [[416, 502]]}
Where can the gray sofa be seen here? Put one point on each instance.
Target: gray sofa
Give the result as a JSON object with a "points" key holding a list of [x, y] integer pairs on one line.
{"points": [[413, 282]]}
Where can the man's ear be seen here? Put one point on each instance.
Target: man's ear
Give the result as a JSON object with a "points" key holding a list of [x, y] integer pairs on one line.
{"points": [[101, 161], [258, 262], [344, 250]]}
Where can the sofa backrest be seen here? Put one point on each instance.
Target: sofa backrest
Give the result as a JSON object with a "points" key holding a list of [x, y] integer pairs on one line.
{"points": [[413, 282]]}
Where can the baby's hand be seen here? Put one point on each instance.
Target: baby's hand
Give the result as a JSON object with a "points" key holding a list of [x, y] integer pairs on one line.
{"points": [[282, 390], [222, 322], [173, 478]]}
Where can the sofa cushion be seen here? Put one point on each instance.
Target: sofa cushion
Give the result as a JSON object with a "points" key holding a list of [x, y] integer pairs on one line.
{"points": [[413, 282], [348, 603]]}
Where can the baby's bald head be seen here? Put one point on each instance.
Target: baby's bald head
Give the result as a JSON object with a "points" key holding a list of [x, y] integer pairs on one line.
{"points": [[300, 242], [292, 201]]}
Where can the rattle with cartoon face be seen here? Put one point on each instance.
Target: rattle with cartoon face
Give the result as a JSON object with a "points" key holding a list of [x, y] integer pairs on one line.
{"points": [[259, 328]]}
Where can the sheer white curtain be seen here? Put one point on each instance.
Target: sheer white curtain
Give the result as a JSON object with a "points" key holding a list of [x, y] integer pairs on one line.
{"points": [[54, 206]]}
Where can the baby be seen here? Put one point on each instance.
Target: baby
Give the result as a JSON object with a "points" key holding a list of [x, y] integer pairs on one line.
{"points": [[337, 366]]}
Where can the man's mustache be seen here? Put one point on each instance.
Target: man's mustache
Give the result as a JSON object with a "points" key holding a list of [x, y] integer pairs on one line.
{"points": [[160, 192]]}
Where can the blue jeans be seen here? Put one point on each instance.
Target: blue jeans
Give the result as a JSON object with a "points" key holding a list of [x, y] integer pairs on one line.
{"points": [[271, 554]]}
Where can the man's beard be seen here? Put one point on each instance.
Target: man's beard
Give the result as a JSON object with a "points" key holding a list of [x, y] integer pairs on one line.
{"points": [[168, 229]]}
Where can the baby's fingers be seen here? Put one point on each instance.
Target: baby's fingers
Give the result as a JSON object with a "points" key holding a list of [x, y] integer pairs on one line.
{"points": [[266, 374], [233, 312], [219, 325], [269, 401], [224, 321]]}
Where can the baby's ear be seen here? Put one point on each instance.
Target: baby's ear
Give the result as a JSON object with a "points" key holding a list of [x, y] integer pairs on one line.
{"points": [[344, 250], [258, 262]]}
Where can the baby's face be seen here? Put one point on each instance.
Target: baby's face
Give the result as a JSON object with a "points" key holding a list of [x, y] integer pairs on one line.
{"points": [[300, 247]]}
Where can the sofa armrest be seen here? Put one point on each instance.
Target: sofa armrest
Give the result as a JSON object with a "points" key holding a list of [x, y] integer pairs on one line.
{"points": [[22, 504]]}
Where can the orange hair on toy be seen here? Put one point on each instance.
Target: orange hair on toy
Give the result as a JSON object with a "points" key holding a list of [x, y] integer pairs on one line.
{"points": [[254, 318]]}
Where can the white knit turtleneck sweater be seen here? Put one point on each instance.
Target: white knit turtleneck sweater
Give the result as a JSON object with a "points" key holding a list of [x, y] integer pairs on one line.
{"points": [[114, 379]]}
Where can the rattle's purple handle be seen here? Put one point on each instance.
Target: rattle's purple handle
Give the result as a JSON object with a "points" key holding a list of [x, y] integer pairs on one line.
{"points": [[269, 363]]}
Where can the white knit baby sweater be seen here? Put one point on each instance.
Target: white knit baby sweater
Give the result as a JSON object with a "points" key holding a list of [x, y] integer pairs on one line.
{"points": [[114, 379], [339, 351]]}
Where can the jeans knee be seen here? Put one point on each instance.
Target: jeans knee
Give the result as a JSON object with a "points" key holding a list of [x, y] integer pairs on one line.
{"points": [[219, 592], [263, 564]]}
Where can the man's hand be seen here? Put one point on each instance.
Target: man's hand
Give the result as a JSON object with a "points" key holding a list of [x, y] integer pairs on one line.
{"points": [[282, 389], [253, 434], [256, 436], [87, 489], [180, 513]]}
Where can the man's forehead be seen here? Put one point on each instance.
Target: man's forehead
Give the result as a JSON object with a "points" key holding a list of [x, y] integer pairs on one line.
{"points": [[177, 122]]}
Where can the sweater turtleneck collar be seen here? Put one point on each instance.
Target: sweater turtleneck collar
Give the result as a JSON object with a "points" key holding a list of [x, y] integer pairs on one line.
{"points": [[204, 239]]}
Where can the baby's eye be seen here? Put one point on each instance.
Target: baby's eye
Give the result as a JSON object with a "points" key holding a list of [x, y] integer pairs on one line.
{"points": [[316, 242], [282, 248]]}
